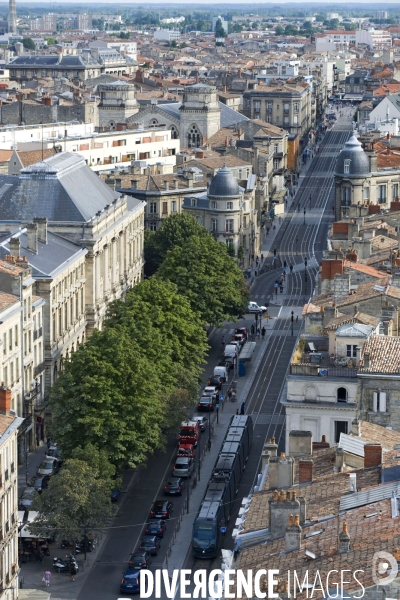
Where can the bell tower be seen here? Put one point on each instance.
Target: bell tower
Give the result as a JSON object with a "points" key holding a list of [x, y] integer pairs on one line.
{"points": [[200, 115]]}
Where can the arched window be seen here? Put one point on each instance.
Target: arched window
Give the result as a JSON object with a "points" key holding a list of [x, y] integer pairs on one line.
{"points": [[194, 137], [112, 125], [346, 196], [153, 123], [341, 394], [174, 133]]}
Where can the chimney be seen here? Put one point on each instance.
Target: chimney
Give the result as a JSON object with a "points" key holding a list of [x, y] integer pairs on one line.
{"points": [[322, 444], [372, 455], [339, 459], [15, 247], [41, 228], [280, 507], [366, 360], [32, 237], [166, 183], [176, 182], [271, 447], [5, 400], [344, 540], [293, 534], [300, 443], [355, 427], [306, 470], [281, 471]]}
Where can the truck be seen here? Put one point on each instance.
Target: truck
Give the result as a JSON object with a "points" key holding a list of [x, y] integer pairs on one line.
{"points": [[189, 433]]}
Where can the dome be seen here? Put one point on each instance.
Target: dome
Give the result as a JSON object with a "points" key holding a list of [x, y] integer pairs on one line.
{"points": [[224, 184], [353, 152]]}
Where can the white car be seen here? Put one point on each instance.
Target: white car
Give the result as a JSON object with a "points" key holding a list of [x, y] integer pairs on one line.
{"points": [[254, 308], [183, 467], [48, 466]]}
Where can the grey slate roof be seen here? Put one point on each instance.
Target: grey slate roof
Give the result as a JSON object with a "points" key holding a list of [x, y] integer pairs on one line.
{"points": [[352, 151], [224, 184], [61, 188], [67, 61], [50, 256], [229, 116]]}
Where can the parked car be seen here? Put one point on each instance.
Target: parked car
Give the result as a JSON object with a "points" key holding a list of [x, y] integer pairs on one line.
{"points": [[174, 486], [206, 403], [115, 494], [238, 337], [187, 450], [27, 497], [141, 559], [215, 381], [202, 421], [156, 527], [150, 543], [221, 371], [48, 467], [161, 509], [130, 582], [55, 453], [243, 331], [41, 483], [183, 467], [211, 390]]}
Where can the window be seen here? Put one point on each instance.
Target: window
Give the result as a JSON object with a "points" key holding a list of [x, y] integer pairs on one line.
{"points": [[346, 196], [153, 226], [4, 343], [269, 106], [214, 225], [276, 148], [229, 206], [16, 336], [395, 191], [193, 202], [269, 119], [194, 137], [379, 402], [351, 351], [295, 120], [382, 194], [286, 109], [165, 208], [173, 206], [277, 119], [340, 427], [244, 222], [296, 107], [346, 168], [214, 205], [276, 163], [341, 394], [229, 225], [153, 208], [366, 193], [286, 120]]}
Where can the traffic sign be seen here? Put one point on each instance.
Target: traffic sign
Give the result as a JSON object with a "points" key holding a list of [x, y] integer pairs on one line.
{"points": [[217, 406], [221, 397], [223, 529]]}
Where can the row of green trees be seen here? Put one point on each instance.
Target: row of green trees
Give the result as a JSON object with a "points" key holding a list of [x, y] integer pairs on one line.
{"points": [[132, 383]]}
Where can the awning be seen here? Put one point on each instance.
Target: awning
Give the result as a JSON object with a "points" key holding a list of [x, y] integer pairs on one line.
{"points": [[356, 97]]}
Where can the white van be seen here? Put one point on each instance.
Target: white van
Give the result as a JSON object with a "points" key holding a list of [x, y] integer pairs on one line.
{"points": [[230, 350], [254, 308], [221, 372]]}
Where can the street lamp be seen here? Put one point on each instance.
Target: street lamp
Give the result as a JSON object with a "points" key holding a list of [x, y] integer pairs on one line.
{"points": [[292, 320]]}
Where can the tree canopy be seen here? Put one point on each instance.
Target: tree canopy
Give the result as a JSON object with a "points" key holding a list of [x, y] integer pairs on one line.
{"points": [[219, 30], [28, 43], [174, 231], [205, 273], [78, 498], [133, 380]]}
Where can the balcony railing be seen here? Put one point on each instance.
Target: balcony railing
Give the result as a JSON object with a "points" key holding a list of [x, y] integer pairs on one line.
{"points": [[304, 369]]}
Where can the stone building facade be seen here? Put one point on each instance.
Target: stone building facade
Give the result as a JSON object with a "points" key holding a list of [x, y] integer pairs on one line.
{"points": [[117, 103], [32, 112]]}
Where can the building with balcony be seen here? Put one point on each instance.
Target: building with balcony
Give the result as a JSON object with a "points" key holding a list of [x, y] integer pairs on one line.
{"points": [[228, 212], [9, 424], [284, 105]]}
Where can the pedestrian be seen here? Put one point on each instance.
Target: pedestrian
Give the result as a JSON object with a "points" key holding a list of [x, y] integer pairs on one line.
{"points": [[47, 577], [274, 227], [252, 329], [255, 273], [262, 257], [291, 268], [237, 411], [72, 571], [229, 394], [263, 331], [242, 408], [252, 256], [257, 262], [258, 333], [223, 341]]}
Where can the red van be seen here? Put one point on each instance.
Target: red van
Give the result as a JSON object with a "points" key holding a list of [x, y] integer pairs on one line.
{"points": [[189, 433]]}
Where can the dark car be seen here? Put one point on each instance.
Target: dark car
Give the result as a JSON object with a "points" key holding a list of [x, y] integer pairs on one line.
{"points": [[206, 403], [156, 527], [141, 559], [216, 381], [41, 483], [161, 509], [114, 496], [174, 487], [229, 362], [130, 582], [202, 421], [150, 543]]}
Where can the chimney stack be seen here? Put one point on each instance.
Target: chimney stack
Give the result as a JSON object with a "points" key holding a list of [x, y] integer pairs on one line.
{"points": [[366, 360], [15, 247], [281, 505], [344, 540], [372, 455], [306, 470], [42, 228], [339, 459], [355, 427], [5, 400], [293, 534], [300, 443], [281, 472], [32, 237]]}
